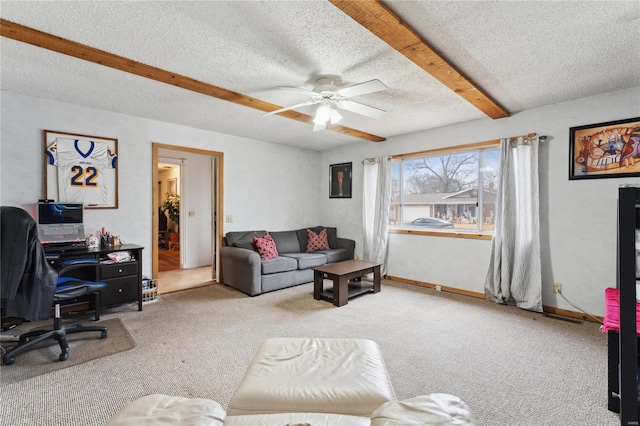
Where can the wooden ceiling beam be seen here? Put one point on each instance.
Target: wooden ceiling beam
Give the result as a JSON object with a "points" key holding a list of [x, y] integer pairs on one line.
{"points": [[381, 21], [71, 48]]}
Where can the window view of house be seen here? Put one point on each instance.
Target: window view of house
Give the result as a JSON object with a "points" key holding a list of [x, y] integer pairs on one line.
{"points": [[441, 191]]}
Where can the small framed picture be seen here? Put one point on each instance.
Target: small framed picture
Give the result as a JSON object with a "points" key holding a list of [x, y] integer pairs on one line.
{"points": [[605, 150], [172, 186], [340, 180]]}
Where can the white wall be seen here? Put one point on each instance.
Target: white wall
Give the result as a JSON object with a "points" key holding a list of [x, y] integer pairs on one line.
{"points": [[578, 218], [276, 187], [266, 186]]}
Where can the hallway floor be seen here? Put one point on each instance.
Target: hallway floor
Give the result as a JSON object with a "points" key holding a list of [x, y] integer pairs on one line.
{"points": [[182, 279], [168, 260]]}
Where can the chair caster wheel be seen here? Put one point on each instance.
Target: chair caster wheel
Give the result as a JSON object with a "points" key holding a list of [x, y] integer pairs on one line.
{"points": [[104, 334], [8, 360], [64, 356]]}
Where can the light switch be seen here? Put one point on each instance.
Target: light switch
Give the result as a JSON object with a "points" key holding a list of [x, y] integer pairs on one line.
{"points": [[229, 218]]}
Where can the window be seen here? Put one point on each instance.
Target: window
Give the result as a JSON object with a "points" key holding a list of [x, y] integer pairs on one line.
{"points": [[438, 190]]}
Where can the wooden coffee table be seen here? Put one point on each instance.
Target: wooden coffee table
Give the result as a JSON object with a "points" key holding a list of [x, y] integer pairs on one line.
{"points": [[341, 273]]}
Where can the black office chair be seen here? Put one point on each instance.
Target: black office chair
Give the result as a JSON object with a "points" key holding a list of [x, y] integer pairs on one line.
{"points": [[30, 286]]}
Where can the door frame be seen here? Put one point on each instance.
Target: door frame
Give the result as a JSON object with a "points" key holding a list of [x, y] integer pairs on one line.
{"points": [[217, 197]]}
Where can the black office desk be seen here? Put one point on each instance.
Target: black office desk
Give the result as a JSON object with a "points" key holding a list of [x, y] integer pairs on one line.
{"points": [[124, 280]]}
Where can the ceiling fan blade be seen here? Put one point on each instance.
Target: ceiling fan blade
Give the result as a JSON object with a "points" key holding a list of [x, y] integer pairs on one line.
{"points": [[291, 107], [299, 90], [317, 126], [362, 88], [362, 109]]}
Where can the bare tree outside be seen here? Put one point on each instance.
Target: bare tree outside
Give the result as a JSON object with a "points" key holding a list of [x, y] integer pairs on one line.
{"points": [[490, 180], [452, 188], [441, 174], [395, 181]]}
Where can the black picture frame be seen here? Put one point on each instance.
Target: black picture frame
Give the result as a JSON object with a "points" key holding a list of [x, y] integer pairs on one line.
{"points": [[605, 150], [340, 180]]}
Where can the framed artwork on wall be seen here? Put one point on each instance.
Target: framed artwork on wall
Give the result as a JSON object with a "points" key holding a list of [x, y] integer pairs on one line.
{"points": [[605, 150], [81, 169], [172, 186], [340, 180]]}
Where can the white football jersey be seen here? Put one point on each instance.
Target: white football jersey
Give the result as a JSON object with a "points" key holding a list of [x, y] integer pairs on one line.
{"points": [[82, 170]]}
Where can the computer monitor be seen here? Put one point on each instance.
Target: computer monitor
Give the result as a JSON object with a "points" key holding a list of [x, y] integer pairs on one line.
{"points": [[60, 213], [60, 223]]}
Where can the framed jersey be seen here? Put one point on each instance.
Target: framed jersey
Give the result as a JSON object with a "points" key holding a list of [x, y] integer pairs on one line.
{"points": [[81, 169]]}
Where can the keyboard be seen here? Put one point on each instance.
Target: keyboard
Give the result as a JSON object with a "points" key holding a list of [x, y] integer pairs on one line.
{"points": [[77, 246], [61, 248], [60, 230]]}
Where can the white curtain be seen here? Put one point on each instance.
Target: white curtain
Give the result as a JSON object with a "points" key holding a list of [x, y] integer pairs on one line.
{"points": [[515, 274], [376, 197]]}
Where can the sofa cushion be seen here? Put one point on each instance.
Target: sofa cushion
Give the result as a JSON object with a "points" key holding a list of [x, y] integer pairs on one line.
{"points": [[317, 241], [265, 246], [243, 239], [278, 264], [286, 241], [335, 255], [332, 236], [307, 260]]}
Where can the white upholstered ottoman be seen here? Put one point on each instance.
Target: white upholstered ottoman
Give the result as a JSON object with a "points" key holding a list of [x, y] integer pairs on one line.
{"points": [[297, 419], [435, 409], [166, 410], [313, 375]]}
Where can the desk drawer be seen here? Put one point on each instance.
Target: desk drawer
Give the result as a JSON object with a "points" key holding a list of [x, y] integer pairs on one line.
{"points": [[118, 270], [120, 290]]}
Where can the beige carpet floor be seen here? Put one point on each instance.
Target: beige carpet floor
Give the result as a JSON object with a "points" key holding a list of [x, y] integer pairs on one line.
{"points": [[513, 367], [83, 347]]}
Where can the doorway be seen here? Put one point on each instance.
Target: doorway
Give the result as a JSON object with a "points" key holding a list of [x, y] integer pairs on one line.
{"points": [[169, 189], [196, 176]]}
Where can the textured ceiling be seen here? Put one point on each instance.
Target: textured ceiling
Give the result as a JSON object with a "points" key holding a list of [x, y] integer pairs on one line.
{"points": [[523, 54]]}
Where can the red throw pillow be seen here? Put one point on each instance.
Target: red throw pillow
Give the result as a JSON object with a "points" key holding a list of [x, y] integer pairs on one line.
{"points": [[318, 241], [265, 246]]}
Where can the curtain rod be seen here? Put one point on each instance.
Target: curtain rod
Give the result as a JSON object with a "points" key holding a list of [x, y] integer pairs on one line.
{"points": [[375, 160], [531, 135], [542, 138]]}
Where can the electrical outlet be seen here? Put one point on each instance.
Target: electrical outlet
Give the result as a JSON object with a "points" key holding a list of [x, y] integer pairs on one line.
{"points": [[557, 288], [229, 218], [438, 288]]}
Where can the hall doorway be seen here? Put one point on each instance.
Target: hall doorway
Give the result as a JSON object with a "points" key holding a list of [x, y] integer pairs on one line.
{"points": [[188, 248], [169, 189]]}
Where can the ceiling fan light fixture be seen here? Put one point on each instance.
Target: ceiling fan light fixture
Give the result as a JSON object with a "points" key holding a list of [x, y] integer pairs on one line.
{"points": [[330, 99], [323, 114], [335, 116]]}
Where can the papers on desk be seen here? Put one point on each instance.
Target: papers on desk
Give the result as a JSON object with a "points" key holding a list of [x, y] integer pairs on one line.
{"points": [[120, 256]]}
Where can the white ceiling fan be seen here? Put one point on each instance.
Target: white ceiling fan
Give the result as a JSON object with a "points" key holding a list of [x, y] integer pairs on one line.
{"points": [[329, 96]]}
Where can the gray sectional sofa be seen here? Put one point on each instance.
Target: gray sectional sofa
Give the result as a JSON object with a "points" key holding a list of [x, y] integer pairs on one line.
{"points": [[243, 269]]}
